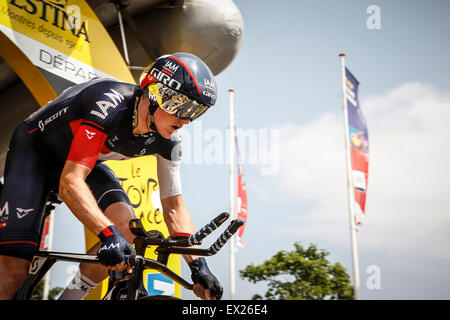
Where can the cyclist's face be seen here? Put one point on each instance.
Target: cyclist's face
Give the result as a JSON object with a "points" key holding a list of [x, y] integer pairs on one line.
{"points": [[166, 123]]}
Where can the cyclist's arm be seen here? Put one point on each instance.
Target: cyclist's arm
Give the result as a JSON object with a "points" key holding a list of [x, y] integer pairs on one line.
{"points": [[176, 215], [178, 219], [78, 197], [84, 150]]}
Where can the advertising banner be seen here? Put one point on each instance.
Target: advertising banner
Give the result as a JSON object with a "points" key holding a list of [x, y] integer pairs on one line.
{"points": [[137, 179], [242, 204], [64, 39], [359, 142]]}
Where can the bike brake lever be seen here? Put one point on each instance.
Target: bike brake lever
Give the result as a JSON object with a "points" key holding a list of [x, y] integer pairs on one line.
{"points": [[134, 260]]}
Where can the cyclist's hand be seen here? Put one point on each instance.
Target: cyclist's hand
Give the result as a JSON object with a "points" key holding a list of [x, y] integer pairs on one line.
{"points": [[206, 285], [113, 248]]}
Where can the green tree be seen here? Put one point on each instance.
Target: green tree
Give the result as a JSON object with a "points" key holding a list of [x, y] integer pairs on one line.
{"points": [[38, 292], [302, 274]]}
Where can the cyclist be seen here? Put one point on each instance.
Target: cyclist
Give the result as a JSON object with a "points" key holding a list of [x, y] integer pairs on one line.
{"points": [[61, 147]]}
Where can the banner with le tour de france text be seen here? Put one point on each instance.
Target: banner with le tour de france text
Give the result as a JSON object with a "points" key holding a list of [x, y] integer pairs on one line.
{"points": [[64, 39], [359, 143], [136, 177]]}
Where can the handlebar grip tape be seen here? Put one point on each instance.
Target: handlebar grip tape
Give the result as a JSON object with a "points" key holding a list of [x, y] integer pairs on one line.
{"points": [[226, 235], [197, 238]]}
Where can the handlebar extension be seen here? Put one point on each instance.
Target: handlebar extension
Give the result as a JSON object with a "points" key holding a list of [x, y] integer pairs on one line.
{"points": [[212, 250], [225, 236], [196, 238]]}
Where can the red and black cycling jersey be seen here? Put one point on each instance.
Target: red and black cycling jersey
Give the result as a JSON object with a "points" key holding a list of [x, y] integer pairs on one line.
{"points": [[92, 122], [87, 123]]}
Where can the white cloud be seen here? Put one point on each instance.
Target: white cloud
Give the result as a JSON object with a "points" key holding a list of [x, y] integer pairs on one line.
{"points": [[408, 201]]}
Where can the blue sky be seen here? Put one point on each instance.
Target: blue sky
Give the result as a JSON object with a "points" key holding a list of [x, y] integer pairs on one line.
{"points": [[288, 95]]}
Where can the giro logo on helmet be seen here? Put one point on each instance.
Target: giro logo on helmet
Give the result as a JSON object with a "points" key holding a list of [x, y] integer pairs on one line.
{"points": [[191, 79], [165, 79]]}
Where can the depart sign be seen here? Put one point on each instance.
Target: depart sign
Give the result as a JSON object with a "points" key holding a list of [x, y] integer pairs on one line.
{"points": [[64, 39]]}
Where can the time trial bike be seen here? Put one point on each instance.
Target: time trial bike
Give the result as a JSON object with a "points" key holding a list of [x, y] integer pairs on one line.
{"points": [[130, 286]]}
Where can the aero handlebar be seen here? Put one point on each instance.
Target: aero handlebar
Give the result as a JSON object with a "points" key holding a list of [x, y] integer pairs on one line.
{"points": [[225, 236], [180, 245], [206, 230], [165, 246]]}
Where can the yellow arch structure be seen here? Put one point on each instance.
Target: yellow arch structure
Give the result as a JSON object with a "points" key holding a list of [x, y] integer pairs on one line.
{"points": [[34, 80]]}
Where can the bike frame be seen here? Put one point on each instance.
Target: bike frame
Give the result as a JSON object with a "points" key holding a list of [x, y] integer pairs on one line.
{"points": [[43, 261]]}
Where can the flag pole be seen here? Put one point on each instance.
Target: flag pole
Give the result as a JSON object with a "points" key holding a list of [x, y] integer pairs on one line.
{"points": [[232, 195], [350, 191]]}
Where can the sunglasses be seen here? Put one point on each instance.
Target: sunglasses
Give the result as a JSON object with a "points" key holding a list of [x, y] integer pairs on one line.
{"points": [[179, 104]]}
